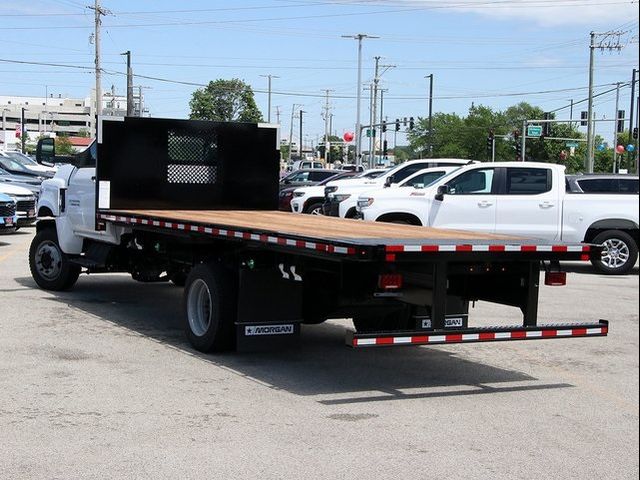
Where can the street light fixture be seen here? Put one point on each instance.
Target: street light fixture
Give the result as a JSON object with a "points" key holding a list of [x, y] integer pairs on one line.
{"points": [[359, 37]]}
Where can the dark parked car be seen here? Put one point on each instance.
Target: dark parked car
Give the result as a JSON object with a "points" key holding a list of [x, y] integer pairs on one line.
{"points": [[602, 183], [286, 191], [304, 177]]}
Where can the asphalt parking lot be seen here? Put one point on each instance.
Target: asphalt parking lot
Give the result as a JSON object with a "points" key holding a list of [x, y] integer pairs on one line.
{"points": [[100, 383]]}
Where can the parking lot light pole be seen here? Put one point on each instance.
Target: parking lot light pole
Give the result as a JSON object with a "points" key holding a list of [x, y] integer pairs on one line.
{"points": [[358, 131]]}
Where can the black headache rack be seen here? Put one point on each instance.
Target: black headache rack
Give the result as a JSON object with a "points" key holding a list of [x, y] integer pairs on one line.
{"points": [[168, 164]]}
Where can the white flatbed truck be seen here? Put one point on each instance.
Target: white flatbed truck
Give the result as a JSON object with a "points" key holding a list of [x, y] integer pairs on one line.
{"points": [[195, 203]]}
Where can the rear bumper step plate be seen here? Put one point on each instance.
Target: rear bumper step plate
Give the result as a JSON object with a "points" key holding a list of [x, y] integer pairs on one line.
{"points": [[471, 335]]}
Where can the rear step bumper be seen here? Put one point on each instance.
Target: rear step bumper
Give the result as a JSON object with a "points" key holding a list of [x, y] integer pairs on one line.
{"points": [[471, 335]]}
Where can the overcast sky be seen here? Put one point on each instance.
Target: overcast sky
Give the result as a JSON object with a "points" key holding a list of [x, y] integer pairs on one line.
{"points": [[490, 52]]}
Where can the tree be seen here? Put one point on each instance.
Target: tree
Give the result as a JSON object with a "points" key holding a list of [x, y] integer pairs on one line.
{"points": [[63, 146], [225, 101]]}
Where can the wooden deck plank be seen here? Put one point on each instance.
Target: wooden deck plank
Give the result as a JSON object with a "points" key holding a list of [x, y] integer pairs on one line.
{"points": [[285, 223]]}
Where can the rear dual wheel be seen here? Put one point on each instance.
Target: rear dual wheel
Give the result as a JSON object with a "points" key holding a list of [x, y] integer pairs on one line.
{"points": [[210, 304]]}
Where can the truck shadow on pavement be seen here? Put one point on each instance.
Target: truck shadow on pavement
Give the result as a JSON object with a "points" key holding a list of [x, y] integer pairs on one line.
{"points": [[322, 366]]}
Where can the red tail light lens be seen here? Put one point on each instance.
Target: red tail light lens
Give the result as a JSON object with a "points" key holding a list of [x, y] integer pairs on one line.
{"points": [[390, 281], [555, 279]]}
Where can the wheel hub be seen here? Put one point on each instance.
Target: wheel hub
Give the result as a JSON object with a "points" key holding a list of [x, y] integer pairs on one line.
{"points": [[615, 253], [49, 260]]}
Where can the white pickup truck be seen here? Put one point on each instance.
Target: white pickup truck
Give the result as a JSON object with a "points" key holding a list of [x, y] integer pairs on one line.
{"points": [[527, 199], [341, 197]]}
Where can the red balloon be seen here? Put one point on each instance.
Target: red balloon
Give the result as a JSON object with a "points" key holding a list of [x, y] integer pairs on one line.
{"points": [[620, 149], [348, 137]]}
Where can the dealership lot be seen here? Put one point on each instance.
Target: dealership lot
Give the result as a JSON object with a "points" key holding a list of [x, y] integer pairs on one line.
{"points": [[100, 382]]}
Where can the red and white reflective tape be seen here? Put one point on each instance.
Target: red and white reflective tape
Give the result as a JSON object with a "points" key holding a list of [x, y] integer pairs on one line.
{"points": [[562, 332], [487, 248], [227, 233]]}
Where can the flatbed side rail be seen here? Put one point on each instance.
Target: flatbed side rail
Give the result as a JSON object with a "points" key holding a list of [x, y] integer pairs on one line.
{"points": [[366, 250], [474, 335]]}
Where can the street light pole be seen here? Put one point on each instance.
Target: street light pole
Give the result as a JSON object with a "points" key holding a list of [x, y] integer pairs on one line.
{"points": [[130, 102], [358, 132], [22, 132], [300, 146]]}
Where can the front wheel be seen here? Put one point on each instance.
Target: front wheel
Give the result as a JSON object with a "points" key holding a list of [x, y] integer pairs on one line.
{"points": [[619, 254], [210, 308], [314, 209], [50, 266]]}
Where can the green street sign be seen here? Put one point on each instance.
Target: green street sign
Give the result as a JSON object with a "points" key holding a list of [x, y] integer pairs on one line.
{"points": [[572, 144], [534, 131]]}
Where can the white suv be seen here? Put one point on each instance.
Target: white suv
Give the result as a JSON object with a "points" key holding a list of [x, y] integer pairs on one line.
{"points": [[341, 197]]}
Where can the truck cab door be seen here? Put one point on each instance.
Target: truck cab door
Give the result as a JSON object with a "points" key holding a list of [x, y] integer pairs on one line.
{"points": [[470, 203], [81, 199], [529, 203]]}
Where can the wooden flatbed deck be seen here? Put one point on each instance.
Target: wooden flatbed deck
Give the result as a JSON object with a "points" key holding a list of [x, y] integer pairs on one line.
{"points": [[312, 226]]}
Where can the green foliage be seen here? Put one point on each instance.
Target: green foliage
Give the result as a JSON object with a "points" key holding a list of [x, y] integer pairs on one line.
{"points": [[63, 146], [466, 137], [83, 132], [225, 101]]}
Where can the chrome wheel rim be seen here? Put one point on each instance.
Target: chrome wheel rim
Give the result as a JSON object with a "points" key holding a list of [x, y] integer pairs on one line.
{"points": [[316, 211], [199, 307], [615, 253], [48, 260]]}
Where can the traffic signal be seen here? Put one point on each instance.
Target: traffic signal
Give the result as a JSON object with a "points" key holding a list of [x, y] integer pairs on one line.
{"points": [[490, 138], [411, 123], [397, 124], [384, 125], [620, 122], [634, 134], [519, 151], [546, 126], [384, 148], [583, 118], [516, 135]]}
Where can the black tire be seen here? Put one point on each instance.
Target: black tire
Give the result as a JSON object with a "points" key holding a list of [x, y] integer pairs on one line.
{"points": [[382, 323], [314, 207], [619, 255], [210, 305], [49, 265]]}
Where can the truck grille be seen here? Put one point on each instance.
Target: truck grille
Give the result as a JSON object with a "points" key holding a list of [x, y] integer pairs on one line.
{"points": [[26, 205], [7, 209]]}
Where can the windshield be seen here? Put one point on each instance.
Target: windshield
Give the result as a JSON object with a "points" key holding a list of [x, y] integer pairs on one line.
{"points": [[21, 158], [337, 176], [373, 174], [12, 165]]}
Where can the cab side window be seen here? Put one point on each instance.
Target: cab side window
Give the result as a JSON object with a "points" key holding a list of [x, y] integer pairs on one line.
{"points": [[528, 181], [474, 182]]}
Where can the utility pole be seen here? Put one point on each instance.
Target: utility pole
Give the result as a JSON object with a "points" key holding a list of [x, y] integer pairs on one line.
{"points": [[430, 77], [608, 41], [23, 132], [631, 113], [300, 146], [327, 129], [278, 114], [293, 109], [358, 132], [269, 96], [99, 11], [371, 127], [615, 129], [571, 113], [130, 105]]}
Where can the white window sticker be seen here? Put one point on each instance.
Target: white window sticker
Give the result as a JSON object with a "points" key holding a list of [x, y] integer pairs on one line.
{"points": [[104, 194]]}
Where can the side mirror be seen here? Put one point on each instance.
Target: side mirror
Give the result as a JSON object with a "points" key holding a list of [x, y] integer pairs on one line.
{"points": [[46, 151], [388, 181], [442, 191]]}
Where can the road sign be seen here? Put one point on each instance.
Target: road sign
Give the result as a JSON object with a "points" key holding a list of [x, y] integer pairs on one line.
{"points": [[572, 144], [534, 131]]}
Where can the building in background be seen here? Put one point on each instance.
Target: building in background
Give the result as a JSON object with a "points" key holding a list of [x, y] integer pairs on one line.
{"points": [[57, 115]]}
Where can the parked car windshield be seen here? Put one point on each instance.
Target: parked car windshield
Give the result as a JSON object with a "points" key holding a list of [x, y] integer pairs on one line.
{"points": [[21, 158], [12, 165]]}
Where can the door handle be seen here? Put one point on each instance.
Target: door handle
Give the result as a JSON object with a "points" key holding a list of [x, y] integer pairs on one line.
{"points": [[484, 203], [546, 204]]}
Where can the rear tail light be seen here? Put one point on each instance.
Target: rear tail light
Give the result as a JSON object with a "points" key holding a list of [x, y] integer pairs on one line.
{"points": [[390, 281], [555, 279]]}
